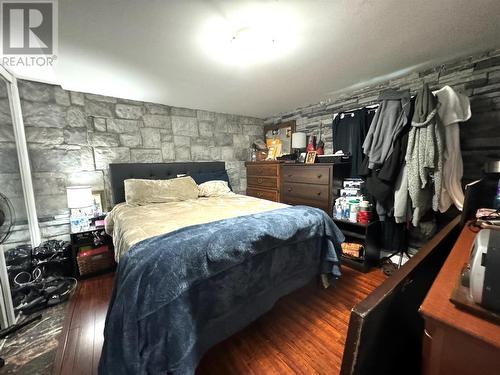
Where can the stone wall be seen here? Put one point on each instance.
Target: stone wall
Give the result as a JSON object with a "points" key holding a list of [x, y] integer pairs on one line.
{"points": [[477, 76], [72, 137]]}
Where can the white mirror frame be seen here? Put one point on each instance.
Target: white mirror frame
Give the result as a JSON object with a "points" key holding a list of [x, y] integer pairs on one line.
{"points": [[7, 315]]}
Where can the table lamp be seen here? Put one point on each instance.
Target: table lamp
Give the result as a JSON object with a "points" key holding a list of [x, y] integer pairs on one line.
{"points": [[79, 197], [298, 142]]}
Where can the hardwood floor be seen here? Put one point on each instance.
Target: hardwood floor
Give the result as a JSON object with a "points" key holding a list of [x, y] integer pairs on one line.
{"points": [[304, 332]]}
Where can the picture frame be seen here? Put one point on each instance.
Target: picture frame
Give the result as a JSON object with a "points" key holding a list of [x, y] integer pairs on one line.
{"points": [[302, 157], [98, 197], [311, 157]]}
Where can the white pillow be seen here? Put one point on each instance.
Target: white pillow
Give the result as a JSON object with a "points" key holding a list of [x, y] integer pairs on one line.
{"points": [[139, 191], [215, 188]]}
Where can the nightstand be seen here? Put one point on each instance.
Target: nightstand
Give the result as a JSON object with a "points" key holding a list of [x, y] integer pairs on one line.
{"points": [[92, 252]]}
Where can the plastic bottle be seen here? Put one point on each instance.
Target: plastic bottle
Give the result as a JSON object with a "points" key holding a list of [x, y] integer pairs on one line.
{"points": [[496, 202]]}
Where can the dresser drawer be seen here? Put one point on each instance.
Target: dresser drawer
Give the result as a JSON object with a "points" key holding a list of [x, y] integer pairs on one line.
{"points": [[263, 194], [306, 174], [306, 192], [270, 170], [263, 182]]}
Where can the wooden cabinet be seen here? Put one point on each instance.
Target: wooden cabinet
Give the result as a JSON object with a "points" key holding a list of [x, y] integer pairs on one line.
{"points": [[313, 185], [263, 180], [455, 341]]}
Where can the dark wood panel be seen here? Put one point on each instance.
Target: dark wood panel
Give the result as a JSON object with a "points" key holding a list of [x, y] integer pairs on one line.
{"points": [[304, 333], [263, 169], [262, 182], [270, 195], [310, 192], [313, 174]]}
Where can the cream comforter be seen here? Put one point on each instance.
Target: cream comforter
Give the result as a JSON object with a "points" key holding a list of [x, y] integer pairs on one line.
{"points": [[129, 224]]}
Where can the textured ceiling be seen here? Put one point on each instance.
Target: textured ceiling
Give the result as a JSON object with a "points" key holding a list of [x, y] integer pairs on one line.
{"points": [[169, 51]]}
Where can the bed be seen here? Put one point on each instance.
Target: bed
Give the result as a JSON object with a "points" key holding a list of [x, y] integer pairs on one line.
{"points": [[192, 273]]}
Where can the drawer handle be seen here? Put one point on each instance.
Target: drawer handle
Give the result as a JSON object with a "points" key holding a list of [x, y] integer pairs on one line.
{"points": [[319, 193], [290, 175], [290, 189], [427, 334], [259, 194], [320, 175], [259, 180]]}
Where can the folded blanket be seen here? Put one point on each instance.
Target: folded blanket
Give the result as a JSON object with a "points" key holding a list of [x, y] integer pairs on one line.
{"points": [[159, 317]]}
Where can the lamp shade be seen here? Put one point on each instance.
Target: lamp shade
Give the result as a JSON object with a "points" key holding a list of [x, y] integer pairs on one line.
{"points": [[79, 196], [299, 140]]}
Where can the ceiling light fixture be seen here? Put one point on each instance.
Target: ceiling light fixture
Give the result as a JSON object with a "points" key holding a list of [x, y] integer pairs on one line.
{"points": [[250, 36]]}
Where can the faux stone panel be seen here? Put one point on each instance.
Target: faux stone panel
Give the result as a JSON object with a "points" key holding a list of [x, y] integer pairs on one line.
{"points": [[76, 136], [241, 140], [98, 109], [76, 118], [61, 159], [7, 133], [127, 111], [178, 111], [206, 128], [52, 205], [157, 121], [99, 124], [11, 185], [104, 156], [253, 130], [77, 98], [185, 126], [122, 126], [49, 183], [5, 117], [200, 153], [227, 153], [48, 136], [8, 156], [145, 156], [87, 178], [61, 96], [130, 140], [205, 115], [101, 98], [223, 139], [182, 153], [150, 137], [34, 91], [157, 109], [166, 136], [168, 151], [46, 115], [182, 140], [234, 128], [103, 139]]}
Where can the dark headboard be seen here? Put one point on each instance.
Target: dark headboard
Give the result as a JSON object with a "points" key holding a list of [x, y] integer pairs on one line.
{"points": [[119, 172]]}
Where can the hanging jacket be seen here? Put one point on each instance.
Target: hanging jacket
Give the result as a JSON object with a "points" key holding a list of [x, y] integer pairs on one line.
{"points": [[424, 155], [453, 108], [388, 122]]}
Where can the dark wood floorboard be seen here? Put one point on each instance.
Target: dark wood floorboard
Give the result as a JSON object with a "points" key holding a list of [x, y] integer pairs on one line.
{"points": [[304, 333]]}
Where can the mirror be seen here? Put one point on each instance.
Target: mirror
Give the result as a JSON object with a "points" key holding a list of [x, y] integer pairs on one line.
{"points": [[279, 137]]}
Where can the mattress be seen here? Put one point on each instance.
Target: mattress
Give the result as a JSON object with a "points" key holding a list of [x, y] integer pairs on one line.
{"points": [[130, 224]]}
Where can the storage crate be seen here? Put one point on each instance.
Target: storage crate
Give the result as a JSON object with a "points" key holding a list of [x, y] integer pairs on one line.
{"points": [[96, 262]]}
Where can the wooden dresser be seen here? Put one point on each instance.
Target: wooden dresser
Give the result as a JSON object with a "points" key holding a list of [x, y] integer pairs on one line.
{"points": [[455, 341], [313, 185], [263, 180]]}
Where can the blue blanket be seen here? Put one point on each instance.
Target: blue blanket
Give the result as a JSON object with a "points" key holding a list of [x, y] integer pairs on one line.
{"points": [[178, 294]]}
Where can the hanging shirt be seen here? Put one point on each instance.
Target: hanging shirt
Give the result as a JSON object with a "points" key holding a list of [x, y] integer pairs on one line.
{"points": [[349, 131], [453, 108]]}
